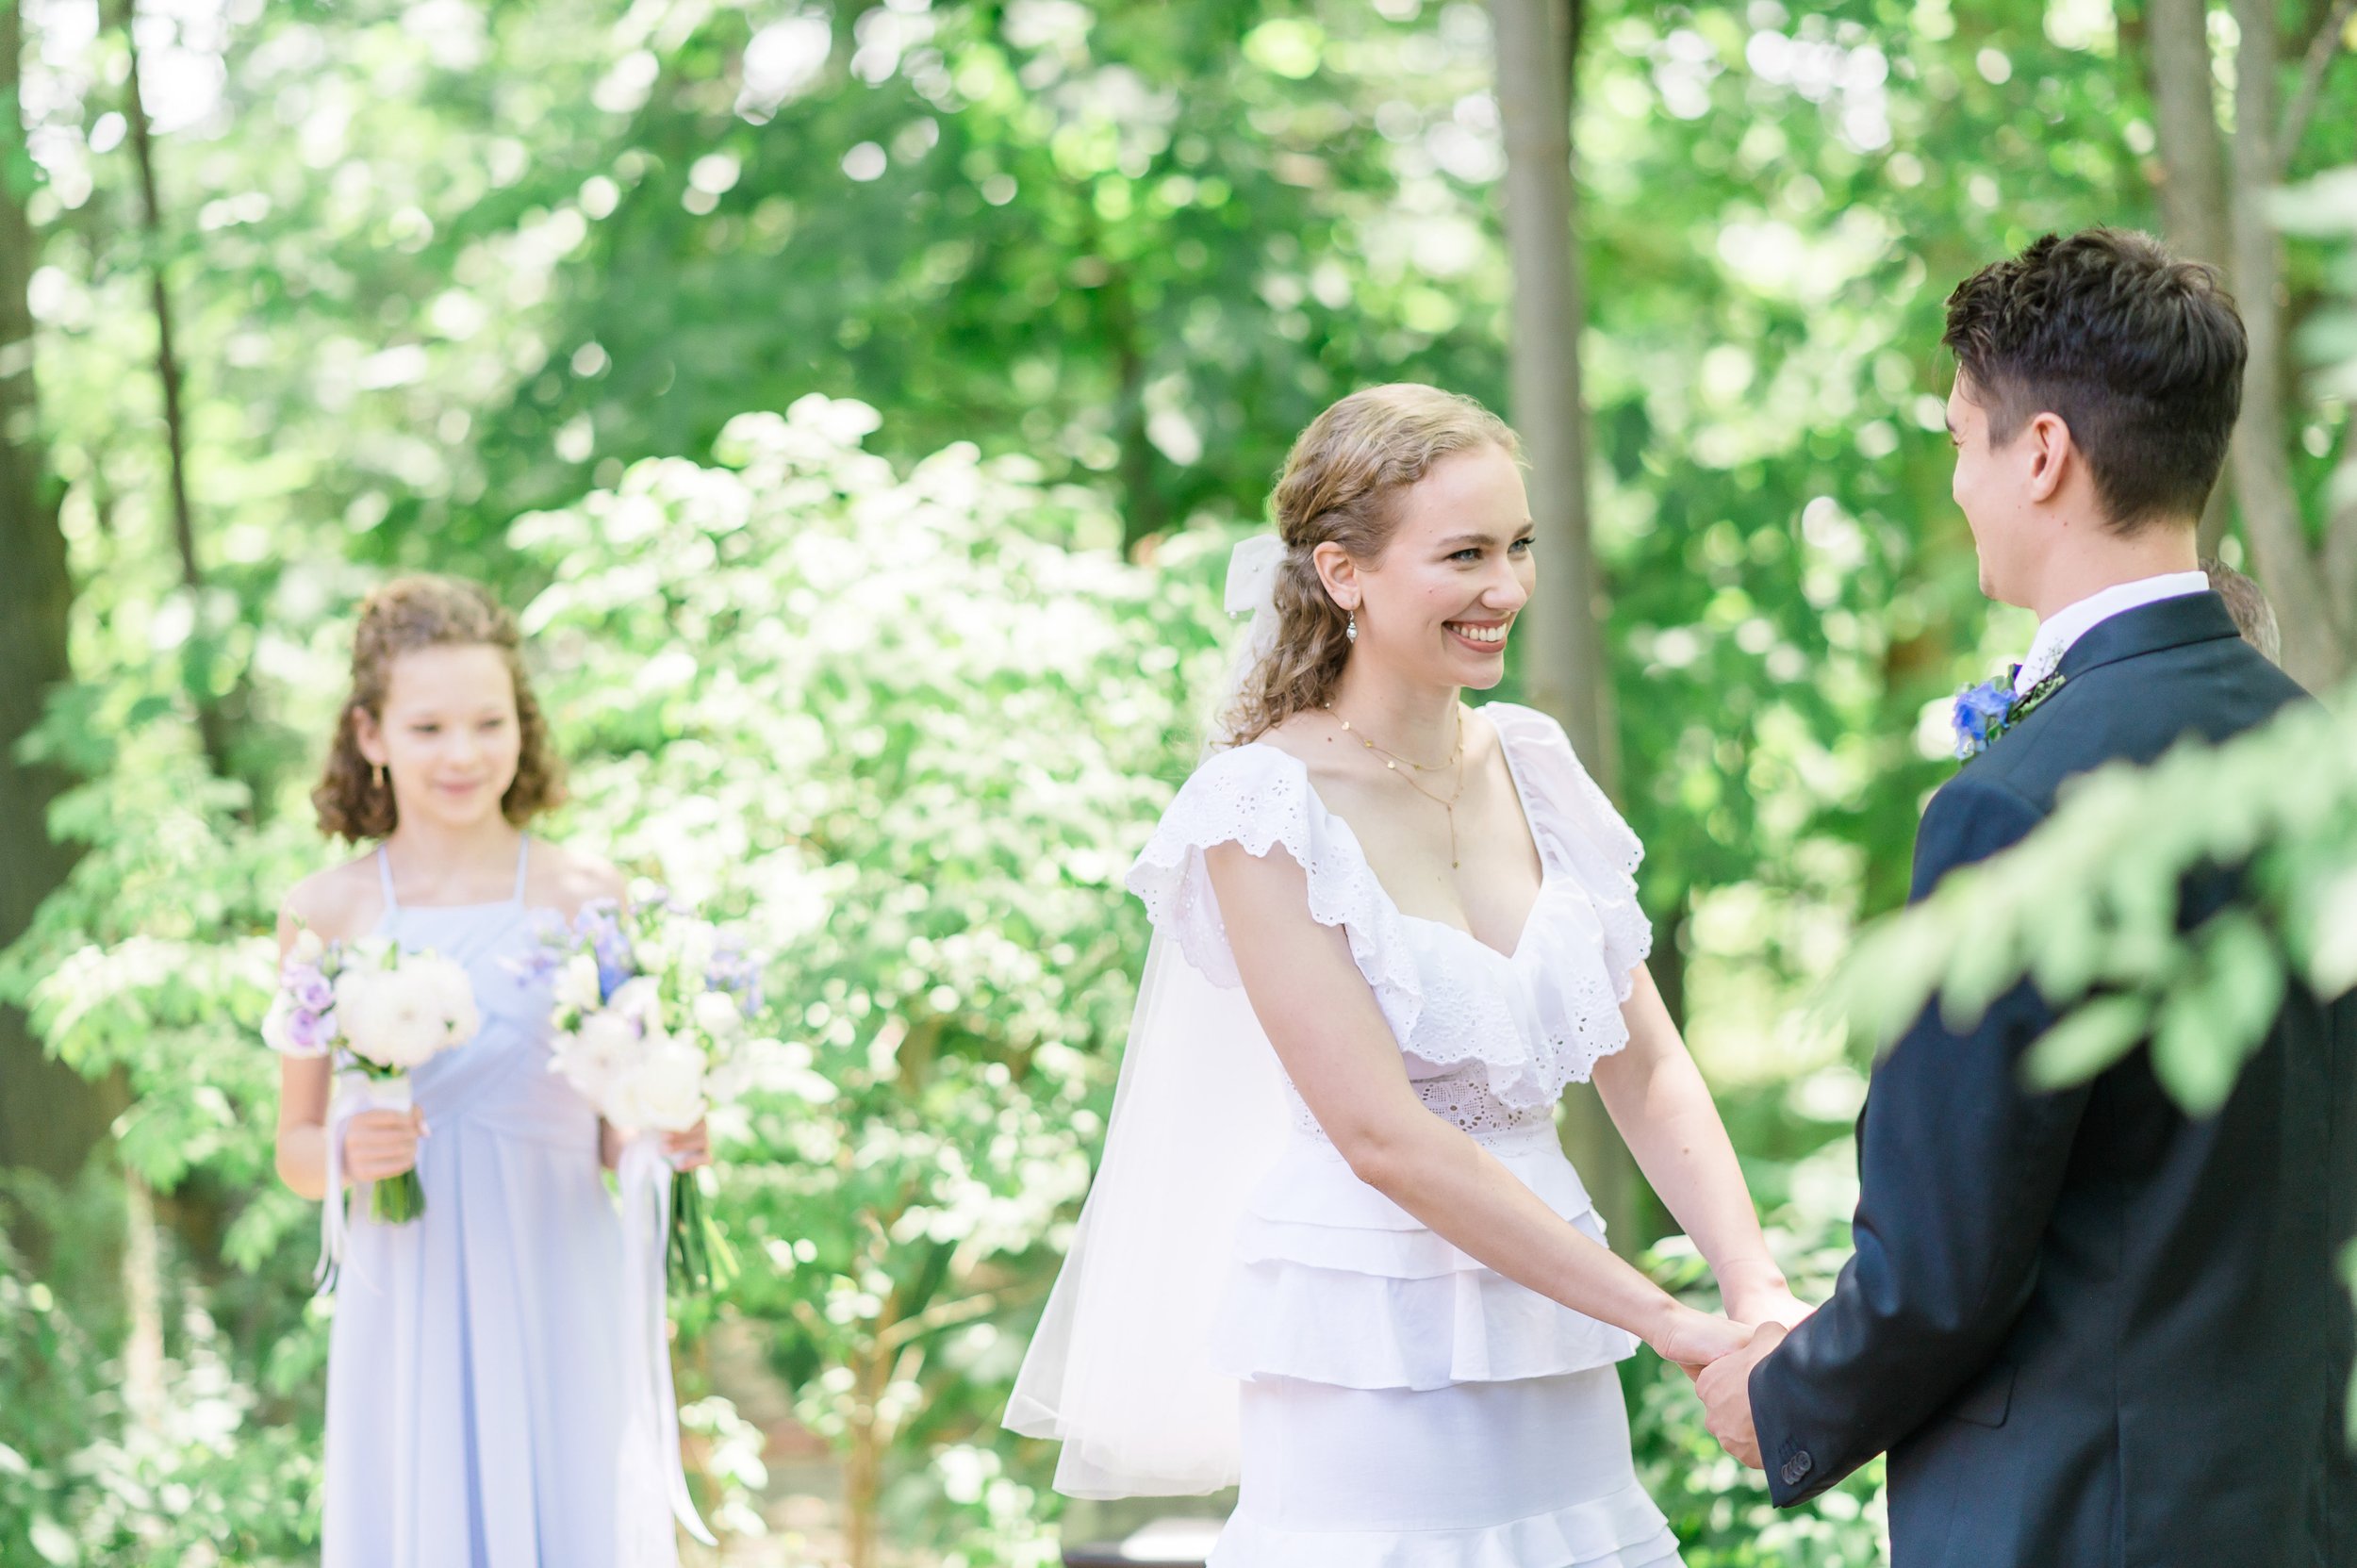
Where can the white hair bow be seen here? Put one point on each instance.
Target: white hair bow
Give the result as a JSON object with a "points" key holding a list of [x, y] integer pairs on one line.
{"points": [[1252, 568]]}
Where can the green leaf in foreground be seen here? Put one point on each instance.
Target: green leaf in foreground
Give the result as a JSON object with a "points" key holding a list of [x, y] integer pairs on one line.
{"points": [[2088, 1040]]}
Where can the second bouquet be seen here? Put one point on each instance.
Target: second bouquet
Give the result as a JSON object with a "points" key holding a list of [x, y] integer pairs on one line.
{"points": [[651, 1004]]}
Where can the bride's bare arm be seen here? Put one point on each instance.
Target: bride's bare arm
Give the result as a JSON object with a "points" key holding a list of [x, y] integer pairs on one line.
{"points": [[1321, 1016], [1664, 1111]]}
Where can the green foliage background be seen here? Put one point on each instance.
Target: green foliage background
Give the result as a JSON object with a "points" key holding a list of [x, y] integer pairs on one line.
{"points": [[861, 399]]}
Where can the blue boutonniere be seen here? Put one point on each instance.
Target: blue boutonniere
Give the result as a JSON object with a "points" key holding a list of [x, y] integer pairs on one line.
{"points": [[1988, 710]]}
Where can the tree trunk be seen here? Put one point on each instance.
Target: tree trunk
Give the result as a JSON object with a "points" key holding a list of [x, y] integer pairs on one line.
{"points": [[2185, 115], [144, 1398], [211, 724], [2313, 648], [2192, 182], [863, 1465], [1567, 675], [2225, 221], [1143, 513], [50, 1117]]}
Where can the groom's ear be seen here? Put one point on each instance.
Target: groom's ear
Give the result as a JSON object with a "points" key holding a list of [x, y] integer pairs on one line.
{"points": [[2050, 451]]}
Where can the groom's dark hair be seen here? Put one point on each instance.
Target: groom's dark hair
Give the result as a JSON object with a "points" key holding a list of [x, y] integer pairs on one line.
{"points": [[2140, 354]]}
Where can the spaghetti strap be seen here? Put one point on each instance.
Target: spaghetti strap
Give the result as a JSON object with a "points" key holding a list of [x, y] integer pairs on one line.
{"points": [[524, 866], [385, 880]]}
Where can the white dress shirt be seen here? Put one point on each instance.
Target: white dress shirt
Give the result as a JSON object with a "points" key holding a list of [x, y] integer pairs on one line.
{"points": [[2057, 632]]}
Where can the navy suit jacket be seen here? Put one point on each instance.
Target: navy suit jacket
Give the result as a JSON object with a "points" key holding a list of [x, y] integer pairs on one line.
{"points": [[2090, 1330]]}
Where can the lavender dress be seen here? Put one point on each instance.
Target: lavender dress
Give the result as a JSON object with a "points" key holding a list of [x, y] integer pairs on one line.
{"points": [[474, 1391]]}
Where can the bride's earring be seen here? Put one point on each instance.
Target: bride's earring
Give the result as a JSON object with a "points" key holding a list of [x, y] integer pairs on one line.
{"points": [[378, 773], [1350, 631]]}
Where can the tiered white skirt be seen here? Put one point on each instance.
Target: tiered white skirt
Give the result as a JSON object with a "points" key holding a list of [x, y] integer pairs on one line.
{"points": [[1530, 1474], [1404, 1407]]}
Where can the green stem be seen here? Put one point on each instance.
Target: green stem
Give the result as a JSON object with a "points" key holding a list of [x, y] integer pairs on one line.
{"points": [[398, 1200]]}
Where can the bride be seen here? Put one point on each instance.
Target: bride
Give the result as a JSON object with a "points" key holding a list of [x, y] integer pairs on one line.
{"points": [[1334, 1249]]}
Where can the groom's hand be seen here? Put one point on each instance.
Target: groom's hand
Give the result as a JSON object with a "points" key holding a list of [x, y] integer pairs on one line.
{"points": [[1727, 1394]]}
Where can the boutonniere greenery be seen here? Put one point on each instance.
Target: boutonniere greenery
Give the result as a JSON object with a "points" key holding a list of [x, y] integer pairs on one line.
{"points": [[1988, 710]]}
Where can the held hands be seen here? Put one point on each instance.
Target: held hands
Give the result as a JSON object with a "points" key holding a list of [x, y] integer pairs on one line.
{"points": [[1719, 1352], [1694, 1340], [379, 1145], [1725, 1388], [1775, 1305]]}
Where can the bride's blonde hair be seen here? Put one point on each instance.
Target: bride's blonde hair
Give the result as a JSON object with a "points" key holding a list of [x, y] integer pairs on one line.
{"points": [[1342, 484]]}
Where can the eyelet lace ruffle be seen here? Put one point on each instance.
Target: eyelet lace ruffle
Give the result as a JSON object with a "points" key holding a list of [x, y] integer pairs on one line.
{"points": [[1259, 797], [1572, 816], [1536, 1021]]}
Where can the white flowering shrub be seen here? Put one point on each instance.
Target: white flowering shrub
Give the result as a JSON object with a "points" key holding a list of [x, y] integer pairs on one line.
{"points": [[908, 729], [911, 739]]}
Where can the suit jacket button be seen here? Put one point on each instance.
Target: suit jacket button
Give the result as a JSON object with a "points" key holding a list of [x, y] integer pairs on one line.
{"points": [[1796, 1467]]}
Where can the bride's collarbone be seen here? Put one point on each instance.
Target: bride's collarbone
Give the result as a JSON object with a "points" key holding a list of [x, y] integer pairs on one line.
{"points": [[1405, 837]]}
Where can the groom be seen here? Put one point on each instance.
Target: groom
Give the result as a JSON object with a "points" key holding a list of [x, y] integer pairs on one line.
{"points": [[2090, 1332]]}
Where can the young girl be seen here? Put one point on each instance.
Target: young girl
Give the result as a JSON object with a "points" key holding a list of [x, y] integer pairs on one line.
{"points": [[475, 1412]]}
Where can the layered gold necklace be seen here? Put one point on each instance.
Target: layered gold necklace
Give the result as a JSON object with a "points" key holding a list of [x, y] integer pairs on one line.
{"points": [[1394, 761]]}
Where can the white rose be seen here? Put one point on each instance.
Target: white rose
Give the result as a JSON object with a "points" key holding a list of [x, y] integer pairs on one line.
{"points": [[307, 949], [402, 1017], [594, 1055], [358, 1004], [718, 1015], [606, 1047], [577, 984], [640, 1000], [451, 994], [664, 1090], [390, 1018]]}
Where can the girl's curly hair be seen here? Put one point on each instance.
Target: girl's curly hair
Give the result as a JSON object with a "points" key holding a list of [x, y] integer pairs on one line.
{"points": [[404, 615], [1342, 483]]}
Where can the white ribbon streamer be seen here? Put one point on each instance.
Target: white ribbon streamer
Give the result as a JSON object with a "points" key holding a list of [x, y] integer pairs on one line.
{"points": [[355, 1092], [645, 1177]]}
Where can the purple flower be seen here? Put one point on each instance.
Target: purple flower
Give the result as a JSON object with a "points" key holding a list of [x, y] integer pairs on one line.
{"points": [[310, 990], [732, 971], [311, 1028], [1981, 715]]}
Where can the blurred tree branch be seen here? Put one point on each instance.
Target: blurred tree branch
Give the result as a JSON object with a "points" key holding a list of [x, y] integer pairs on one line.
{"points": [[212, 725]]}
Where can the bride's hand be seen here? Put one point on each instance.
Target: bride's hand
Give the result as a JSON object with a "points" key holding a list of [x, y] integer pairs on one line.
{"points": [[1778, 1306], [1695, 1339]]}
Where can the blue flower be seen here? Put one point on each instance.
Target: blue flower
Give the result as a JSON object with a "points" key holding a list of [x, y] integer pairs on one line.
{"points": [[1982, 713]]}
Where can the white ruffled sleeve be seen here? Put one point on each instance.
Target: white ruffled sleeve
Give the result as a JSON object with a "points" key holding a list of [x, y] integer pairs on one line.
{"points": [[1261, 797], [1586, 834]]}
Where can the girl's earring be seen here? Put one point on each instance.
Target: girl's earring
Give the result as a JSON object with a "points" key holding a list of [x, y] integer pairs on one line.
{"points": [[1350, 631], [379, 775]]}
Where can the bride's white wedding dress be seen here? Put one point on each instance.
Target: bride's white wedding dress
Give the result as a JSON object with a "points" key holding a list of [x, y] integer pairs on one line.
{"points": [[1397, 1405]]}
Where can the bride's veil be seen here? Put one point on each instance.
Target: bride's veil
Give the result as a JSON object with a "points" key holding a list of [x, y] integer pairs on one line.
{"points": [[1119, 1369]]}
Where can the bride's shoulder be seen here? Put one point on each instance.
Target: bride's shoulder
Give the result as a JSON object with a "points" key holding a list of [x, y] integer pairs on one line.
{"points": [[1301, 747]]}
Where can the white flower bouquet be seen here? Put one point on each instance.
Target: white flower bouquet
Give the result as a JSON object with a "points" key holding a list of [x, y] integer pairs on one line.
{"points": [[652, 1005], [378, 1013]]}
